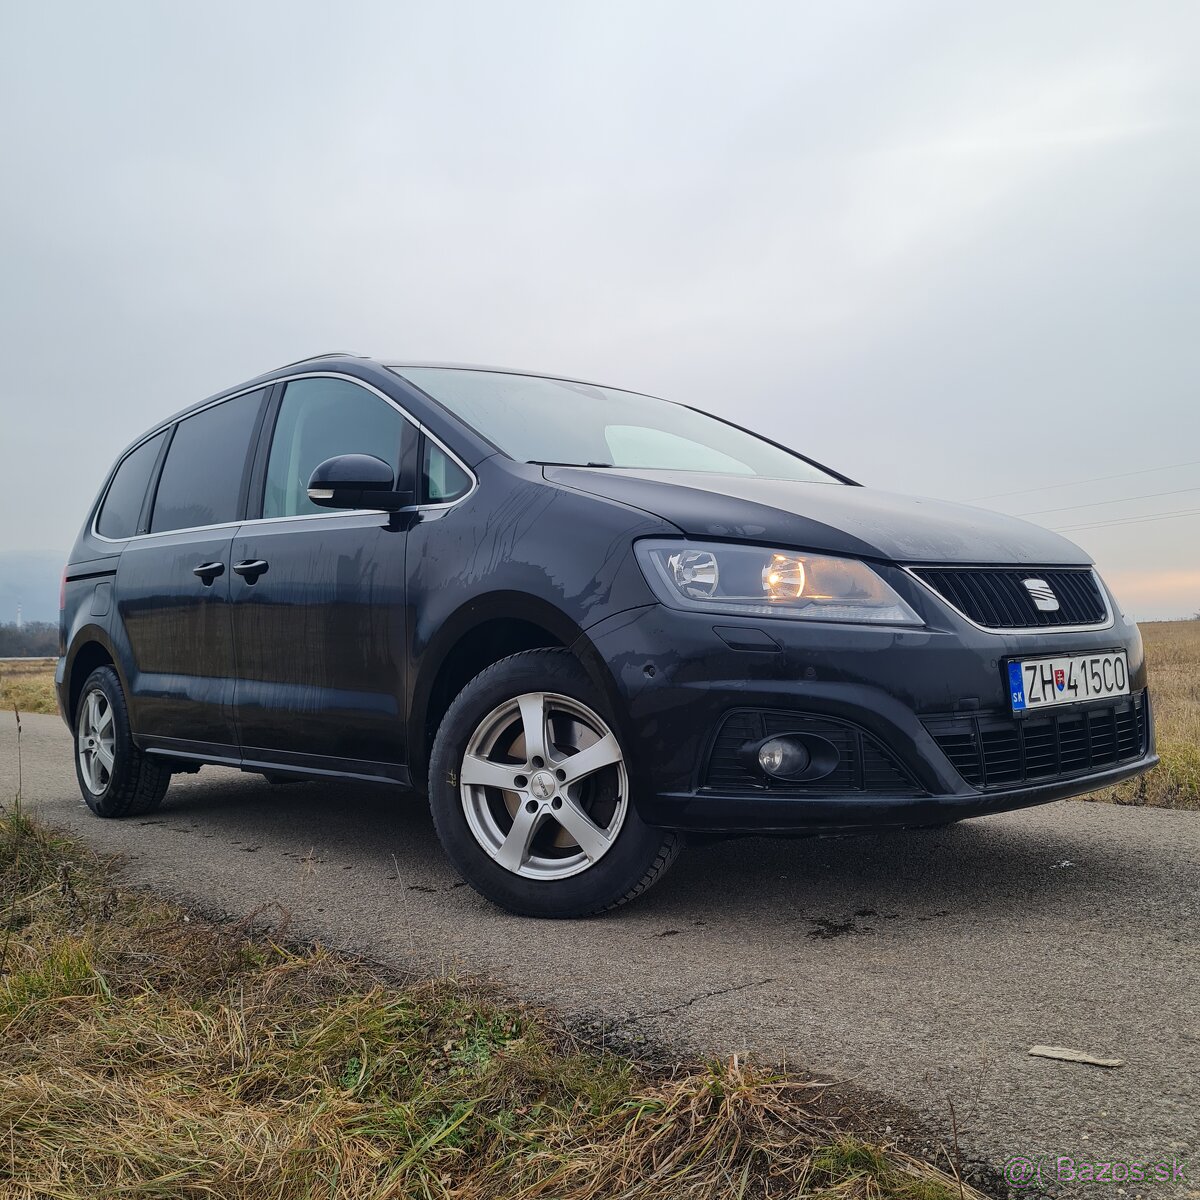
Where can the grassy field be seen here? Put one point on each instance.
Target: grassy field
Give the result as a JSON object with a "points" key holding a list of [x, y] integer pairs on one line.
{"points": [[146, 1051], [28, 685], [1173, 653]]}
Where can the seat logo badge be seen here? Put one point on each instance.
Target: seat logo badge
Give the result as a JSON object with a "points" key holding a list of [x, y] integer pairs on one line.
{"points": [[1043, 595]]}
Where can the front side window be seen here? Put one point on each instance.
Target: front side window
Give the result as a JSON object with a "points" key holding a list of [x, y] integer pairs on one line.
{"points": [[534, 419], [201, 480], [123, 502], [320, 419]]}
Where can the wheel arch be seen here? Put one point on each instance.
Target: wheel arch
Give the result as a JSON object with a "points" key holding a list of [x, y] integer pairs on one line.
{"points": [[480, 633], [91, 648]]}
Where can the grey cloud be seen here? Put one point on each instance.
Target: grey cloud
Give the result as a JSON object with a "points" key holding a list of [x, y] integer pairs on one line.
{"points": [[945, 248]]}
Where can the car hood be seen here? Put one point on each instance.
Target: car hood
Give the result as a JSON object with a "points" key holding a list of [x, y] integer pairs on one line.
{"points": [[833, 518]]}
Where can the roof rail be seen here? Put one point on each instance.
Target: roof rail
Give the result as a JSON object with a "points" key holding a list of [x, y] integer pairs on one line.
{"points": [[315, 357]]}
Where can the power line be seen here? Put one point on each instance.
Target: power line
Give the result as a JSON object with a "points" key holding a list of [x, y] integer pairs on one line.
{"points": [[1183, 512], [1078, 482], [1098, 503]]}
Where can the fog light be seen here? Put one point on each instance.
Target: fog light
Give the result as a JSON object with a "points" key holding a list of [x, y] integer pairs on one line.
{"points": [[783, 757]]}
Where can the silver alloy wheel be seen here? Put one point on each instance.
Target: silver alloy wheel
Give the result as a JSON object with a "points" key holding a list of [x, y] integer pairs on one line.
{"points": [[544, 786], [97, 742]]}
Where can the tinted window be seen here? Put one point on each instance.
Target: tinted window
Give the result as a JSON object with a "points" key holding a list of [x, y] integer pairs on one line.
{"points": [[444, 479], [123, 504], [202, 477], [321, 418]]}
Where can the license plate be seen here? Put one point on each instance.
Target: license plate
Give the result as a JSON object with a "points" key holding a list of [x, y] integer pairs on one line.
{"points": [[1047, 682]]}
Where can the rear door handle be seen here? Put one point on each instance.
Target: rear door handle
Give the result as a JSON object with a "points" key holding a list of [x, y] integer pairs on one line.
{"points": [[250, 569], [208, 572]]}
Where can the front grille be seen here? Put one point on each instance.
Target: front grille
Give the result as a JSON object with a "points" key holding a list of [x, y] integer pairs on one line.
{"points": [[997, 597], [993, 750], [864, 765]]}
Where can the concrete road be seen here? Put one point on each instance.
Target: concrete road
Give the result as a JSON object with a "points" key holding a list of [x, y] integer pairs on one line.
{"points": [[920, 966]]}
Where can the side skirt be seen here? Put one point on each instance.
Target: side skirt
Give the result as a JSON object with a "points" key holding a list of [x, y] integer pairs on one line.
{"points": [[191, 755]]}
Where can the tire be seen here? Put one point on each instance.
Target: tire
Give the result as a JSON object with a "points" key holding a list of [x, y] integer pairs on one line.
{"points": [[485, 777], [115, 777]]}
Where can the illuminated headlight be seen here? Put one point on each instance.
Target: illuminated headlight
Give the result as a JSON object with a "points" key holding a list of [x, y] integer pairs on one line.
{"points": [[760, 581]]}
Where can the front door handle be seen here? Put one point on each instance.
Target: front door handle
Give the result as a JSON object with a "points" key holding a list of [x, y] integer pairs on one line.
{"points": [[250, 569], [208, 572]]}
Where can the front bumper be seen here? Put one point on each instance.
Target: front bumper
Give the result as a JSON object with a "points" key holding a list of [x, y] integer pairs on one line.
{"points": [[711, 812], [675, 676]]}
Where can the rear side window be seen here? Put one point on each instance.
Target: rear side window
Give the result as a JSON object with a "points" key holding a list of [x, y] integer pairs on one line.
{"points": [[123, 501], [321, 418], [202, 478]]}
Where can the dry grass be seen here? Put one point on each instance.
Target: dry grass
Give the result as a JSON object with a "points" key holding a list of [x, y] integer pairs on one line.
{"points": [[147, 1052], [1173, 654], [28, 685]]}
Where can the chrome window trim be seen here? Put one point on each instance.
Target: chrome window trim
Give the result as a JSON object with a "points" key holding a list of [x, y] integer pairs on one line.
{"points": [[1107, 623], [161, 427], [350, 512]]}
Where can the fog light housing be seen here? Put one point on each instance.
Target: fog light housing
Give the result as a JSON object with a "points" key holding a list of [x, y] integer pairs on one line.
{"points": [[783, 757]]}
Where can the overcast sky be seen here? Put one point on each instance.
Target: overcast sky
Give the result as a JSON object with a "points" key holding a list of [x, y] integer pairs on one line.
{"points": [[949, 249]]}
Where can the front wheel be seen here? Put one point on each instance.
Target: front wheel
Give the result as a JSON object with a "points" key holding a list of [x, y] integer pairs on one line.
{"points": [[530, 793]]}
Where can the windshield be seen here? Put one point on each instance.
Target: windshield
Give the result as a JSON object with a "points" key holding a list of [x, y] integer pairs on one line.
{"points": [[579, 424]]}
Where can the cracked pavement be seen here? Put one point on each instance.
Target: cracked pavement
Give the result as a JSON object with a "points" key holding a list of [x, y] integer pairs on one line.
{"points": [[921, 966]]}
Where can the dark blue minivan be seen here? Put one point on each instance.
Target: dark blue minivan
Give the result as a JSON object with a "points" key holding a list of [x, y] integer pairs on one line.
{"points": [[585, 622]]}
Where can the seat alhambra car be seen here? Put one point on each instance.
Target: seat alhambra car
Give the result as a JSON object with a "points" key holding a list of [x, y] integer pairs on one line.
{"points": [[587, 623]]}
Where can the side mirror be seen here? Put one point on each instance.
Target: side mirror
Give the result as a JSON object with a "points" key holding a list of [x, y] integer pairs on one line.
{"points": [[356, 481]]}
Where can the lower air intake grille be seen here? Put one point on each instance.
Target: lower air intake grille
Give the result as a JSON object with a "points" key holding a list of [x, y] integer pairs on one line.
{"points": [[998, 598], [864, 764], [992, 751]]}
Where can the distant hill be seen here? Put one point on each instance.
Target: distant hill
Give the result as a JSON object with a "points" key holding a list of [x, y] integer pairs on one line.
{"points": [[30, 578]]}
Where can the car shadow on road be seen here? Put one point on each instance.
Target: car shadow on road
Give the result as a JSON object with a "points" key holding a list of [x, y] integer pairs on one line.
{"points": [[1014, 862]]}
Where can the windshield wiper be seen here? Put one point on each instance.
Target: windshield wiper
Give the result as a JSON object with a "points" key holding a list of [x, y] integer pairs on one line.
{"points": [[541, 462]]}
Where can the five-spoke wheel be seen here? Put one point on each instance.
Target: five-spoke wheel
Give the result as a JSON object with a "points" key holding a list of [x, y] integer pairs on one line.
{"points": [[532, 795], [544, 786], [96, 741], [115, 777]]}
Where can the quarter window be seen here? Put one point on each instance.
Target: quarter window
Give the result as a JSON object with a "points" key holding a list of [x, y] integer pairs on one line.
{"points": [[123, 501], [319, 419], [443, 478], [202, 478]]}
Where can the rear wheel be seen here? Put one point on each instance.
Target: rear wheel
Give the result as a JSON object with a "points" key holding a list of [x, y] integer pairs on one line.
{"points": [[531, 794], [115, 777]]}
